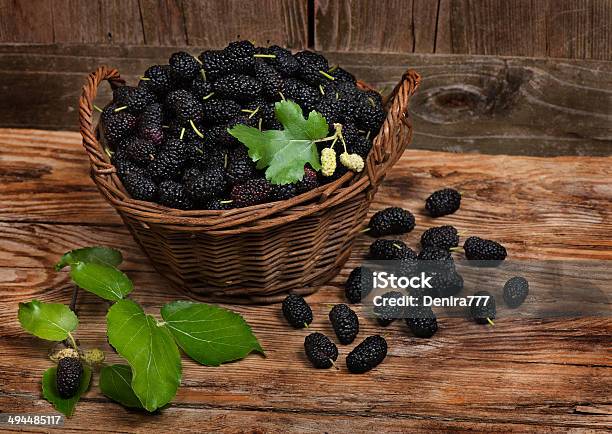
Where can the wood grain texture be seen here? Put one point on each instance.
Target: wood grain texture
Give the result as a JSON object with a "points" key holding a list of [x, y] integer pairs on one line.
{"points": [[163, 22], [465, 103], [26, 21], [530, 375], [577, 29], [215, 23]]}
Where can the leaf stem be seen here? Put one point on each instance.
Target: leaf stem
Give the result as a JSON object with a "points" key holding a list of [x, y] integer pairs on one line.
{"points": [[73, 342]]}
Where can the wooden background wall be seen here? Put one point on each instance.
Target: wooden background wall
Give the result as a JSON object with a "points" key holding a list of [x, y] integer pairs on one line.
{"points": [[47, 47], [577, 29]]}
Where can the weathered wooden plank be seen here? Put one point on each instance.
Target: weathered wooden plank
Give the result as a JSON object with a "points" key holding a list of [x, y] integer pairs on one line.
{"points": [[465, 103], [569, 28], [26, 21], [162, 22], [522, 375], [371, 26], [77, 21], [511, 374], [215, 23], [576, 29], [42, 171], [559, 341], [601, 36], [93, 413], [500, 27]]}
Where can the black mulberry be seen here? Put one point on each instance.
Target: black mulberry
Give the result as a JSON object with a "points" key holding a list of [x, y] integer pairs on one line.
{"points": [[251, 192], [483, 310], [391, 221], [422, 321], [367, 355], [174, 195], [479, 249], [516, 290], [389, 309], [390, 250], [297, 311], [184, 65], [237, 87], [320, 350], [359, 284], [140, 187], [68, 376], [345, 323], [443, 202], [442, 237]]}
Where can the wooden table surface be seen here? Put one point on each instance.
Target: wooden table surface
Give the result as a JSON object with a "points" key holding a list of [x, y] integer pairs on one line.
{"points": [[522, 375]]}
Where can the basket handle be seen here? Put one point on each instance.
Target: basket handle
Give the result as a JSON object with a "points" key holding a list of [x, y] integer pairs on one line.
{"points": [[391, 142], [86, 108]]}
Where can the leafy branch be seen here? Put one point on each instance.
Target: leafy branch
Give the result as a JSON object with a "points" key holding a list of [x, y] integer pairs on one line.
{"points": [[208, 334]]}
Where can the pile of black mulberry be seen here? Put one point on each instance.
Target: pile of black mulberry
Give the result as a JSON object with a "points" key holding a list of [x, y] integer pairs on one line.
{"points": [[169, 135], [437, 245]]}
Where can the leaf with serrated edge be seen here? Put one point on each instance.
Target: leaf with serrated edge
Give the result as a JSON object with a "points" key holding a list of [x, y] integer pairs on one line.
{"points": [[106, 282], [209, 334], [96, 254], [150, 350], [50, 321], [50, 393], [284, 153], [115, 383]]}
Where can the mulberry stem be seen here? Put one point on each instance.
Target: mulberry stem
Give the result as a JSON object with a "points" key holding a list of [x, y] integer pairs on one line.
{"points": [[326, 75]]}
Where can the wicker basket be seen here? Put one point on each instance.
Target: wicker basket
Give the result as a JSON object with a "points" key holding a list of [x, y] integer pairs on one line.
{"points": [[255, 254]]}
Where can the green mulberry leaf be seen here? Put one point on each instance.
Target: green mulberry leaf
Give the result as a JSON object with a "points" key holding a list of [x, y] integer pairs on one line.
{"points": [[209, 334], [97, 255], [50, 321], [150, 350], [102, 280], [116, 384], [50, 393], [284, 153]]}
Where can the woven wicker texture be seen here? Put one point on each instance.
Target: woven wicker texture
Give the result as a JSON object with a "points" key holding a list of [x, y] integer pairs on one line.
{"points": [[255, 254]]}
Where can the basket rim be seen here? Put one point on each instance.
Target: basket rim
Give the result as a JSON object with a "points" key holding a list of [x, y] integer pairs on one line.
{"points": [[336, 192]]}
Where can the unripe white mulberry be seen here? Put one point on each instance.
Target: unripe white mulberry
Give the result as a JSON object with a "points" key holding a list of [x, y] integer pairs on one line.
{"points": [[328, 161], [352, 162]]}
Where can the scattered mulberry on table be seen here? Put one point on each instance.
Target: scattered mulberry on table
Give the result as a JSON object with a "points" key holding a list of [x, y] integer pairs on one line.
{"points": [[443, 202], [422, 321], [516, 290], [320, 350], [359, 284], [345, 323], [483, 311], [297, 311], [479, 249], [367, 355], [391, 221], [386, 313], [390, 250], [443, 237]]}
